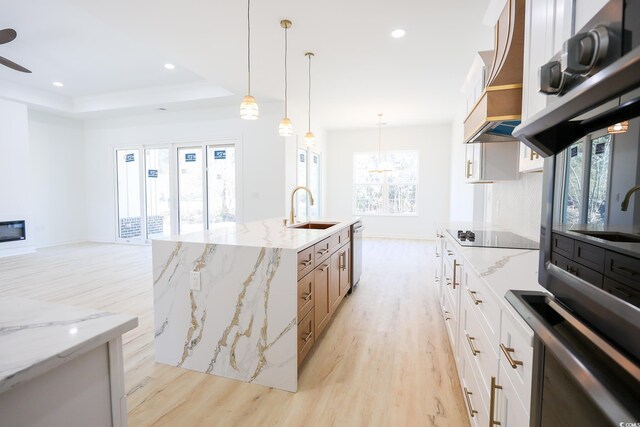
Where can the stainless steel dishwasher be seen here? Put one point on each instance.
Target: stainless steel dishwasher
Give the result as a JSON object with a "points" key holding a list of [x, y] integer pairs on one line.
{"points": [[356, 251]]}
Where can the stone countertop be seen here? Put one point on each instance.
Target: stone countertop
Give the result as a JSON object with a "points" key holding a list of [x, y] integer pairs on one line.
{"points": [[36, 337], [502, 269], [269, 233]]}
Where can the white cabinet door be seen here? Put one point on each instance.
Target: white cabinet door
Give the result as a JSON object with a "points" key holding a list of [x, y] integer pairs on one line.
{"points": [[508, 410], [536, 54], [530, 161]]}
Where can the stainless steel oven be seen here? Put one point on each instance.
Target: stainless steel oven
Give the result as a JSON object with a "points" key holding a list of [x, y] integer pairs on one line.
{"points": [[587, 353]]}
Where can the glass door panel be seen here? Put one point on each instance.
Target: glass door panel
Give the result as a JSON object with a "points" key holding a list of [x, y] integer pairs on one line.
{"points": [[314, 183], [599, 171], [190, 189], [221, 167], [158, 189], [573, 186], [129, 195], [301, 196]]}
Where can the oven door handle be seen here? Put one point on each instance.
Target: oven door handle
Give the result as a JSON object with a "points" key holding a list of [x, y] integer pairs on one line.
{"points": [[573, 362]]}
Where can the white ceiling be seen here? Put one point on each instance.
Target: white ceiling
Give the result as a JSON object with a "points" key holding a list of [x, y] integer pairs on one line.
{"points": [[98, 47]]}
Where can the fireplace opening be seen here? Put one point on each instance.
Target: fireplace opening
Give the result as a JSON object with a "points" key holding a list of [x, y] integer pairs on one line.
{"points": [[12, 230]]}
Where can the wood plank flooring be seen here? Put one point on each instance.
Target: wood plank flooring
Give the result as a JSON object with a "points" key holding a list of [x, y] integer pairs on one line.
{"points": [[383, 361]]}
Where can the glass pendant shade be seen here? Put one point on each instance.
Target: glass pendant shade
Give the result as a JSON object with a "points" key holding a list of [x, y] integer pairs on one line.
{"points": [[249, 108], [622, 127], [309, 140], [286, 127]]}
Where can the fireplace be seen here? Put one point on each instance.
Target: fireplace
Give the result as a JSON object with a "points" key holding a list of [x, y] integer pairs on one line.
{"points": [[12, 230]]}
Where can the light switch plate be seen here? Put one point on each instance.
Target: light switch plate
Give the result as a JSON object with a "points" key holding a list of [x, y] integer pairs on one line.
{"points": [[194, 281]]}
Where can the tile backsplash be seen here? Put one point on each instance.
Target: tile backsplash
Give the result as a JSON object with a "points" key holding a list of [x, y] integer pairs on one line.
{"points": [[516, 205]]}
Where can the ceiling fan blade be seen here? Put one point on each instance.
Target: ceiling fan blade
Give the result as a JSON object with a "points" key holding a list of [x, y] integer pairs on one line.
{"points": [[11, 64], [7, 35]]}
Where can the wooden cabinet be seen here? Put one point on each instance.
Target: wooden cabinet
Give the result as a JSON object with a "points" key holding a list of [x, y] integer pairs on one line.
{"points": [[324, 278], [488, 162]]}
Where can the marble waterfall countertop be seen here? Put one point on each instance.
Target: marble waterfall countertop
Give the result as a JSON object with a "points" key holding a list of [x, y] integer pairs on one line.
{"points": [[501, 269], [36, 337], [268, 233]]}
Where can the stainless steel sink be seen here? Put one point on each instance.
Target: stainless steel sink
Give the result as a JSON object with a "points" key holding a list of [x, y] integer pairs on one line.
{"points": [[314, 225], [611, 236]]}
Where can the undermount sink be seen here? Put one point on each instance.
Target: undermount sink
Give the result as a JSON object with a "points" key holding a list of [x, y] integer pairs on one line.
{"points": [[611, 236], [314, 225]]}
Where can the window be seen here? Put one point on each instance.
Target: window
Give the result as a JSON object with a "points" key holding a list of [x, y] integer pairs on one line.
{"points": [[308, 174], [301, 179], [386, 193]]}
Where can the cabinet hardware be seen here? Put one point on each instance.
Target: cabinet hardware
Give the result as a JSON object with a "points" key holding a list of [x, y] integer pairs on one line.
{"points": [[492, 405], [469, 168], [307, 337], [623, 270], [307, 296], [572, 270], [507, 352], [473, 297], [472, 411], [323, 251], [324, 267], [437, 255], [455, 264], [343, 261], [447, 318], [449, 252], [307, 262], [470, 340]]}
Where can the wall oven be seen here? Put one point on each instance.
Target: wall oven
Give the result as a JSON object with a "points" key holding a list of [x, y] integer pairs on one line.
{"points": [[587, 329]]}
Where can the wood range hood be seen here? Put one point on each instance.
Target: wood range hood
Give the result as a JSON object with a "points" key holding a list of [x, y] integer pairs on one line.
{"points": [[498, 110]]}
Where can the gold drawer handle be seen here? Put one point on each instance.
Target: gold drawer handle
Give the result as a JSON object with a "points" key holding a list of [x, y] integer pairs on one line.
{"points": [[323, 251], [470, 341], [492, 405], [473, 297], [307, 296], [449, 252], [455, 264], [324, 267], [507, 352], [307, 262], [307, 337], [472, 411]]}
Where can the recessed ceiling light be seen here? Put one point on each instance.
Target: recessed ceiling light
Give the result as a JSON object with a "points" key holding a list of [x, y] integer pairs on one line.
{"points": [[169, 66], [58, 84], [398, 33]]}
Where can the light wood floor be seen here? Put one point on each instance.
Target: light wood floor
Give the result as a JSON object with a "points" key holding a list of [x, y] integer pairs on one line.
{"points": [[384, 361]]}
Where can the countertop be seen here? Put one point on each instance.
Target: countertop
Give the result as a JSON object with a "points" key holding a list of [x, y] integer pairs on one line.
{"points": [[269, 233], [36, 337], [501, 269]]}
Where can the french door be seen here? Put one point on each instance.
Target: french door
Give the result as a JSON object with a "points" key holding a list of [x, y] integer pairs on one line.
{"points": [[174, 189]]}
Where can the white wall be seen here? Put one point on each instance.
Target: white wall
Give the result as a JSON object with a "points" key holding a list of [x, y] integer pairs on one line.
{"points": [[15, 178], [262, 154], [433, 144], [57, 176]]}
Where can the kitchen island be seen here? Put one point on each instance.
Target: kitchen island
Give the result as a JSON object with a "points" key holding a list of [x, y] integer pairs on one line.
{"points": [[246, 301]]}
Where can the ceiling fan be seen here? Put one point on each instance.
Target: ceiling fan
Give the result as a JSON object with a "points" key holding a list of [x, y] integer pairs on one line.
{"points": [[7, 35]]}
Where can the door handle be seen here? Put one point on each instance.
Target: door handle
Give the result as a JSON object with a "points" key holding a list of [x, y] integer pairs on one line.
{"points": [[507, 352], [470, 340], [473, 297], [472, 411], [492, 405]]}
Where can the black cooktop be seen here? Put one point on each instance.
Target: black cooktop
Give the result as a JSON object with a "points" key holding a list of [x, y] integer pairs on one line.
{"points": [[493, 239]]}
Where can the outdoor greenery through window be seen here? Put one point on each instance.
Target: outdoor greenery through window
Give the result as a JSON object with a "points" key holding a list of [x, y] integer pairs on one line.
{"points": [[386, 193]]}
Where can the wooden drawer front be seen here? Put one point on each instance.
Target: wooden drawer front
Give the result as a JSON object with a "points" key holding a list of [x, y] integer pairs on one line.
{"points": [[586, 274], [305, 295], [478, 347], [485, 306], [622, 291], [321, 306], [334, 242], [305, 262], [306, 336], [345, 235], [622, 268], [334, 280], [562, 245], [589, 256], [322, 250], [516, 356], [477, 407], [510, 411]]}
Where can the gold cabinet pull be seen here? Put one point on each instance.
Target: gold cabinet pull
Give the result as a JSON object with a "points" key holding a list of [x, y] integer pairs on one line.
{"points": [[324, 267], [307, 336], [455, 264], [469, 168], [307, 296], [507, 352], [307, 262], [448, 281], [323, 251], [472, 411], [470, 340], [473, 297], [492, 405]]}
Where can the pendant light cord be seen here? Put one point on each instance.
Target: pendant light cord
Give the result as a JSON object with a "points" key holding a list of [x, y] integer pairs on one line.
{"points": [[309, 93], [286, 48], [249, 45]]}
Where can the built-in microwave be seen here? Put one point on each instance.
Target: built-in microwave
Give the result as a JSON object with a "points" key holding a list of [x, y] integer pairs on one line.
{"points": [[587, 352]]}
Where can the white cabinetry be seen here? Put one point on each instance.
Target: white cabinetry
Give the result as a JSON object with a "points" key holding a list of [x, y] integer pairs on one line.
{"points": [[488, 162], [530, 161]]}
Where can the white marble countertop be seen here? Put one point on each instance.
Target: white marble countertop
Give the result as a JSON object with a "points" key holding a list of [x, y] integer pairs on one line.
{"points": [[502, 269], [36, 337], [269, 233]]}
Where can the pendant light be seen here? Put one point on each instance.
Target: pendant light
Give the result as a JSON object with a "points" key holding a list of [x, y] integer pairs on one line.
{"points": [[309, 138], [286, 127], [380, 165], [249, 107], [621, 127]]}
